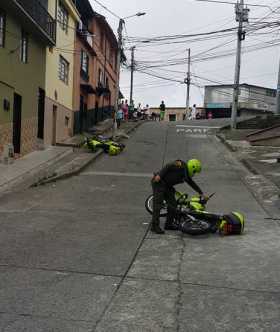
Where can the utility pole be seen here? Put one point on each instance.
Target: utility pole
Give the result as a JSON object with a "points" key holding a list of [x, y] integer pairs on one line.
{"points": [[120, 44], [119, 53], [188, 79], [132, 68], [241, 17], [278, 94]]}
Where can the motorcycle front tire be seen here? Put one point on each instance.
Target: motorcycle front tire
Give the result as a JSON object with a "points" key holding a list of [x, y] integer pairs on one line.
{"points": [[149, 206]]}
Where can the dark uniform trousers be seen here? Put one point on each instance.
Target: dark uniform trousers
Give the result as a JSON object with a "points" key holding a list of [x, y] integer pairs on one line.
{"points": [[162, 192]]}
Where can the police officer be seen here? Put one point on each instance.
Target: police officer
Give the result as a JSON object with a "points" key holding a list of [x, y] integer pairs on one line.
{"points": [[163, 184]]}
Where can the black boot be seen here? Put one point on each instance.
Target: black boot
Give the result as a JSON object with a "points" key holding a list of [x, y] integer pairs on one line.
{"points": [[156, 229]]}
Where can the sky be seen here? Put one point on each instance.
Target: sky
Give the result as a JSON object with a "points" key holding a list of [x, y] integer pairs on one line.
{"points": [[177, 17]]}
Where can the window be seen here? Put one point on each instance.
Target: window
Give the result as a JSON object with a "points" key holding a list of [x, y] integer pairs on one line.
{"points": [[63, 70], [2, 28], [67, 121], [107, 83], [63, 17], [24, 47], [102, 41], [100, 77], [271, 93], [84, 62], [111, 57]]}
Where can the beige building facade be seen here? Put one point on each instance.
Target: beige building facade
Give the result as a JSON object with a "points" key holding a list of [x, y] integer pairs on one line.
{"points": [[171, 113], [58, 121]]}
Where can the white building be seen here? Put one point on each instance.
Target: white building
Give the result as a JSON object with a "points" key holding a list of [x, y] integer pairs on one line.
{"points": [[252, 99]]}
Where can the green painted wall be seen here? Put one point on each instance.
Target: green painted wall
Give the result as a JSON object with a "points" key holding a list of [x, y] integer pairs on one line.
{"points": [[7, 93], [24, 78]]}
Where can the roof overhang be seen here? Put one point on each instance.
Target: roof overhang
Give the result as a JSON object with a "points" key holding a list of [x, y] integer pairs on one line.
{"points": [[88, 88]]}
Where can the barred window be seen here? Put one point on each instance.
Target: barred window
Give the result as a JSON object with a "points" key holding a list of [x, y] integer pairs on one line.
{"points": [[100, 77], [2, 28], [63, 17], [84, 62], [24, 47], [63, 70]]}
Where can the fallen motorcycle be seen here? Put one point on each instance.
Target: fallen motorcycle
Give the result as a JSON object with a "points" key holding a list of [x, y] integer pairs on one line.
{"points": [[100, 142], [192, 218]]}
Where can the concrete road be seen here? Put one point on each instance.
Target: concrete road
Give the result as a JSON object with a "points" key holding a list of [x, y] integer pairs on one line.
{"points": [[77, 255]]}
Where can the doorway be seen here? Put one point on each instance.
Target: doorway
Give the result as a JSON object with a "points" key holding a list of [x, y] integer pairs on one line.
{"points": [[172, 117], [41, 113], [54, 120], [17, 122], [81, 117], [96, 117]]}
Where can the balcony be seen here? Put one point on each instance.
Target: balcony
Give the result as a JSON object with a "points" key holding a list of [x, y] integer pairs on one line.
{"points": [[86, 37], [36, 17]]}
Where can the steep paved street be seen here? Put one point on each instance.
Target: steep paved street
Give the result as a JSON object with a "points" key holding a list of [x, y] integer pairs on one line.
{"points": [[77, 255]]}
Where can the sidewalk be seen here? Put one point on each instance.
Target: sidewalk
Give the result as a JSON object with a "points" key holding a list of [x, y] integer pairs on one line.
{"points": [[55, 162], [24, 171], [263, 164]]}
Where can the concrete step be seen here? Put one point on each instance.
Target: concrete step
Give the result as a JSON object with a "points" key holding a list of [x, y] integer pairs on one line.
{"points": [[266, 137]]}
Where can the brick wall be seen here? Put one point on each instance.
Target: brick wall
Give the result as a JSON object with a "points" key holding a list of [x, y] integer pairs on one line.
{"points": [[28, 135], [5, 135]]}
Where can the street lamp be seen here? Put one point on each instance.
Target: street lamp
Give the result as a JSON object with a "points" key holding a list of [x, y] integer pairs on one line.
{"points": [[120, 44], [138, 14]]}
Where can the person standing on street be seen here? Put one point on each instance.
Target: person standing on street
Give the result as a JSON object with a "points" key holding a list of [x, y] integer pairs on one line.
{"points": [[125, 111], [162, 111], [163, 183], [119, 117], [193, 113], [146, 111]]}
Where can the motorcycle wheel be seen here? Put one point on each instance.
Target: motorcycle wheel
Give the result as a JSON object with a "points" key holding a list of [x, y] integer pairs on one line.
{"points": [[195, 227], [149, 206]]}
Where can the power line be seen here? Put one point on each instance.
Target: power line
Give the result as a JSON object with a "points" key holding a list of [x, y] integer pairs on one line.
{"points": [[108, 10], [160, 77]]}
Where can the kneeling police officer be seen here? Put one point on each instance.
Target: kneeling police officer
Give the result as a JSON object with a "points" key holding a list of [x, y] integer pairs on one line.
{"points": [[163, 184]]}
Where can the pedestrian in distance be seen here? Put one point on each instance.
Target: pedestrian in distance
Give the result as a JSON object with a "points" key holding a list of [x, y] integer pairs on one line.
{"points": [[189, 113], [193, 112], [125, 110], [146, 111], [131, 110], [135, 115], [163, 183], [119, 117], [162, 111], [139, 111]]}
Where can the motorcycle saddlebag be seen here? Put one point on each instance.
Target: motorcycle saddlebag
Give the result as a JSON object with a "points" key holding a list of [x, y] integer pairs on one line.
{"points": [[232, 224]]}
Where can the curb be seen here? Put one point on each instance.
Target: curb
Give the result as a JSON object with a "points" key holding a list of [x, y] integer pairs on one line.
{"points": [[69, 174], [244, 162], [267, 202], [29, 176], [225, 142], [250, 167], [82, 167]]}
